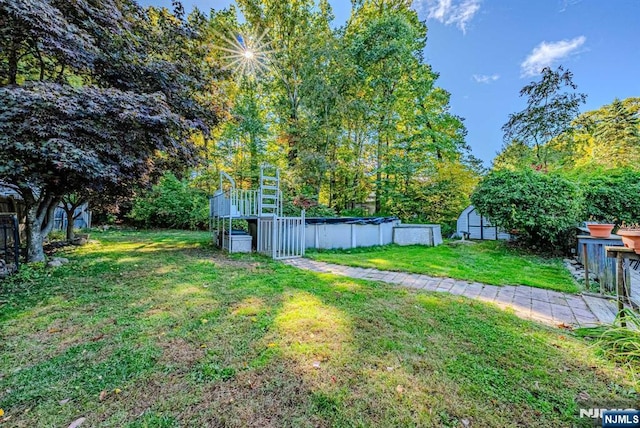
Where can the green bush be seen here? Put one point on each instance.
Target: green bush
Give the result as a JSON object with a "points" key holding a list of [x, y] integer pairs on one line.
{"points": [[612, 196], [172, 203], [293, 206], [542, 208], [355, 212]]}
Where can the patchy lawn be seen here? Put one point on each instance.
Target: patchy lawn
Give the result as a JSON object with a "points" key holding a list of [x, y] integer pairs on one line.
{"points": [[489, 262], [157, 329]]}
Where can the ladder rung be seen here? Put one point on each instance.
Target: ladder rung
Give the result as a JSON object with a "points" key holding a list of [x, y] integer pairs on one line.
{"points": [[266, 177], [269, 206], [269, 187], [269, 196]]}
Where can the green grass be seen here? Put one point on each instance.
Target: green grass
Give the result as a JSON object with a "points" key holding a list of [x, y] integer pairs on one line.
{"points": [[158, 330], [489, 262]]}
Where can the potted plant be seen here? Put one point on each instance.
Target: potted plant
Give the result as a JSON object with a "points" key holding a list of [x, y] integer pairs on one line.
{"points": [[630, 235], [600, 229]]}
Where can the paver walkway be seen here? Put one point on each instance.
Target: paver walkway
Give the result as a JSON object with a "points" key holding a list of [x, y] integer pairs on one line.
{"points": [[546, 306]]}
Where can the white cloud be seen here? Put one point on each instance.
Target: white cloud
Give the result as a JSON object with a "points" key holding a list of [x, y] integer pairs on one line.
{"points": [[483, 78], [548, 54], [565, 4], [450, 12]]}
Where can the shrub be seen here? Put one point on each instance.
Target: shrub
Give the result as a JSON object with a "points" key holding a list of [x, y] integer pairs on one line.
{"points": [[355, 212], [612, 196], [621, 344], [542, 208], [172, 203], [294, 206]]}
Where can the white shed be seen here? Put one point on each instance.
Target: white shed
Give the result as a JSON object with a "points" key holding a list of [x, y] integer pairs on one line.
{"points": [[474, 226]]}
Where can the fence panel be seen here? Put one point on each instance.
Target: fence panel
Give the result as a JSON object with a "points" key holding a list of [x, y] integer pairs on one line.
{"points": [[281, 237], [9, 244]]}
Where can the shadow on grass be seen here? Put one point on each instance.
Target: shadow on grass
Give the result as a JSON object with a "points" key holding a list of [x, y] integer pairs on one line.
{"points": [[194, 338]]}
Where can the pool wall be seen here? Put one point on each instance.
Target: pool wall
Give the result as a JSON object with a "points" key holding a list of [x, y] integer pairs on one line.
{"points": [[344, 235], [417, 234], [353, 233]]}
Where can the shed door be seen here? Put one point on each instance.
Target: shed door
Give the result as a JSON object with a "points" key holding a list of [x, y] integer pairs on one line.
{"points": [[480, 227]]}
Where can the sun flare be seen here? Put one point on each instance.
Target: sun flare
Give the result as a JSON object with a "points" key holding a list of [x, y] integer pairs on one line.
{"points": [[245, 54]]}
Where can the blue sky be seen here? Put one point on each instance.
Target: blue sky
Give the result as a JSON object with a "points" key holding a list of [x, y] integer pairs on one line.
{"points": [[486, 50]]}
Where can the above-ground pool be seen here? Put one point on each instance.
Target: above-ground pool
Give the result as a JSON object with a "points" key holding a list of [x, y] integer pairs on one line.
{"points": [[352, 232]]}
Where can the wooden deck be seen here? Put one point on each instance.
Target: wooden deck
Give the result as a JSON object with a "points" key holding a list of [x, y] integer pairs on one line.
{"points": [[604, 309]]}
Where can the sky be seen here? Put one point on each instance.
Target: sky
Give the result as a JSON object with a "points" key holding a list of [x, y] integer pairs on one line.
{"points": [[485, 51]]}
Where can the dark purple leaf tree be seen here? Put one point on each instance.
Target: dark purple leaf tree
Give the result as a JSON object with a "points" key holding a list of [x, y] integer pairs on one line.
{"points": [[93, 98]]}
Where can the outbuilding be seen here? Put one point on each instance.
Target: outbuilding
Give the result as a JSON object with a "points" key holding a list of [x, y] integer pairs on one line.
{"points": [[472, 225]]}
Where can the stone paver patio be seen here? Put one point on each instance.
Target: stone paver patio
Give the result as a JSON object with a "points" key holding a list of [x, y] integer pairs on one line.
{"points": [[546, 306]]}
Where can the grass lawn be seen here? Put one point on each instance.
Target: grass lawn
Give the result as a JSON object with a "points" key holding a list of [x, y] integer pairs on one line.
{"points": [[158, 330], [489, 262]]}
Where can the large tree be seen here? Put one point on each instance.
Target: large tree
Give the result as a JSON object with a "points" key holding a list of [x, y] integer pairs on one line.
{"points": [[552, 105], [610, 136], [92, 97], [347, 113], [603, 139]]}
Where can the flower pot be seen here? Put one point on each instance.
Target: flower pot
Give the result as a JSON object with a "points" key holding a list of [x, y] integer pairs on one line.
{"points": [[600, 230], [631, 239]]}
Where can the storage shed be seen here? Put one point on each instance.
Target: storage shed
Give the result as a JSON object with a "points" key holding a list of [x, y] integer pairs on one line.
{"points": [[11, 202], [472, 225], [81, 217]]}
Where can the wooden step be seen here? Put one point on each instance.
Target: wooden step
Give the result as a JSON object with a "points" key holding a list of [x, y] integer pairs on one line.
{"points": [[604, 309]]}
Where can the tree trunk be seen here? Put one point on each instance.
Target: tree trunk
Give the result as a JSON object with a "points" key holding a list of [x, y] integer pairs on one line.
{"points": [[13, 62], [70, 221], [35, 237], [40, 214], [379, 175], [70, 203], [254, 169]]}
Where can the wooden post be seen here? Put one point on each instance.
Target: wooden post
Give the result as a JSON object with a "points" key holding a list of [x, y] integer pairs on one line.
{"points": [[620, 287], [586, 266]]}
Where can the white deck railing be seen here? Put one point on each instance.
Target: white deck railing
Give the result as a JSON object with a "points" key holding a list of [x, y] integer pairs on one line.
{"points": [[234, 203]]}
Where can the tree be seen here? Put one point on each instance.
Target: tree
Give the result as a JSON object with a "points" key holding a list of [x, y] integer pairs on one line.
{"points": [[70, 203], [172, 203], [58, 139], [514, 156], [541, 207], [289, 28], [610, 135], [551, 107], [611, 195], [344, 112], [90, 99], [383, 43], [605, 138]]}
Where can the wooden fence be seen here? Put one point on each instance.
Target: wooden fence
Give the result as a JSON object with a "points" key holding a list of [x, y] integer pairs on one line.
{"points": [[9, 244], [597, 262]]}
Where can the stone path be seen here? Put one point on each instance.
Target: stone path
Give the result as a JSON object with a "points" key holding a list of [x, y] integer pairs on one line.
{"points": [[546, 306]]}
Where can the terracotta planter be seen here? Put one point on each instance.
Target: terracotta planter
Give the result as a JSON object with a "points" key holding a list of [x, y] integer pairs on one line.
{"points": [[631, 239], [600, 230]]}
